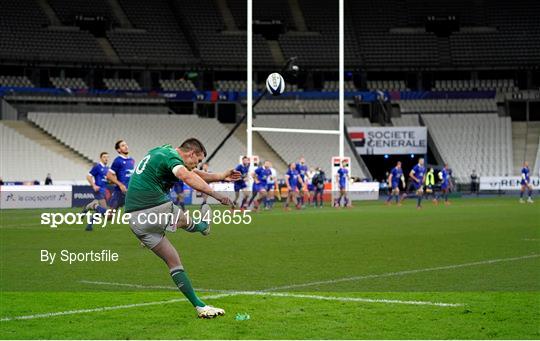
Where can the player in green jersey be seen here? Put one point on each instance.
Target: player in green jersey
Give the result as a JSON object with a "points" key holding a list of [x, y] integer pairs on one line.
{"points": [[148, 194]]}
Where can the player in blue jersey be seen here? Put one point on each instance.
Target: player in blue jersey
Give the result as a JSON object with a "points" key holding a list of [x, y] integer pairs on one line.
{"points": [[416, 182], [444, 177], [253, 193], [342, 177], [120, 173], [302, 170], [271, 185], [526, 183], [205, 168], [178, 189], [97, 178], [260, 178], [241, 185], [394, 179], [292, 179]]}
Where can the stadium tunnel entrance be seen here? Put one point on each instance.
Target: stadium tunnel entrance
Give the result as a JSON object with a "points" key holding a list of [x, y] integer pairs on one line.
{"points": [[380, 165]]}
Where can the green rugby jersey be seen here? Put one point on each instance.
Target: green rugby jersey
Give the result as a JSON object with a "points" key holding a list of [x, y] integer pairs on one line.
{"points": [[153, 178]]}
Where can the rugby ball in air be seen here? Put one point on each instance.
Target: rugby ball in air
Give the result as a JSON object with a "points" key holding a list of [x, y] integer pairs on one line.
{"points": [[275, 84]]}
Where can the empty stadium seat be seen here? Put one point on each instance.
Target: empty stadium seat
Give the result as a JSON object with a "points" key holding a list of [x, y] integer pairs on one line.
{"points": [[482, 142], [448, 106], [22, 159], [158, 38], [121, 84], [16, 81], [230, 85], [502, 85], [177, 85], [90, 134], [70, 83], [319, 106], [389, 85], [334, 86], [406, 121]]}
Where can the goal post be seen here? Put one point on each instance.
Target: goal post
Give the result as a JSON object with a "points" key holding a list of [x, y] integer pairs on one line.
{"points": [[250, 128]]}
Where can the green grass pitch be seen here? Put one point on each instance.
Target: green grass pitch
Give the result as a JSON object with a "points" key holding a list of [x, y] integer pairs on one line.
{"points": [[367, 272]]}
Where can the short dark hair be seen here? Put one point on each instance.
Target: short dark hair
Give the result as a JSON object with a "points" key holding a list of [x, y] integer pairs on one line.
{"points": [[244, 157], [192, 144], [103, 153], [117, 144]]}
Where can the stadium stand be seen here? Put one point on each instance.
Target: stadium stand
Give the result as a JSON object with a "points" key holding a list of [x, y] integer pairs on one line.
{"points": [[380, 46], [351, 121], [502, 85], [214, 44], [322, 19], [388, 34], [21, 15], [20, 155], [288, 87], [121, 84], [448, 106], [386, 44], [334, 86], [411, 120], [317, 149], [240, 85], [518, 15], [16, 81], [142, 132], [177, 85], [468, 12], [163, 43], [66, 10], [499, 48], [230, 49], [69, 83], [54, 44], [302, 44], [389, 85], [316, 106], [25, 34], [230, 85], [482, 142], [262, 10], [238, 10]]}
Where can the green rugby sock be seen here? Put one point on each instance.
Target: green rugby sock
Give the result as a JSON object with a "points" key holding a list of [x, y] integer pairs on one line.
{"points": [[183, 283]]}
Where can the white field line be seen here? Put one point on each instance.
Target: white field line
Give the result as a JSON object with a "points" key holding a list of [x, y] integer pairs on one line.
{"points": [[346, 299], [267, 293], [332, 281], [402, 273], [101, 309], [234, 293], [279, 294]]}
